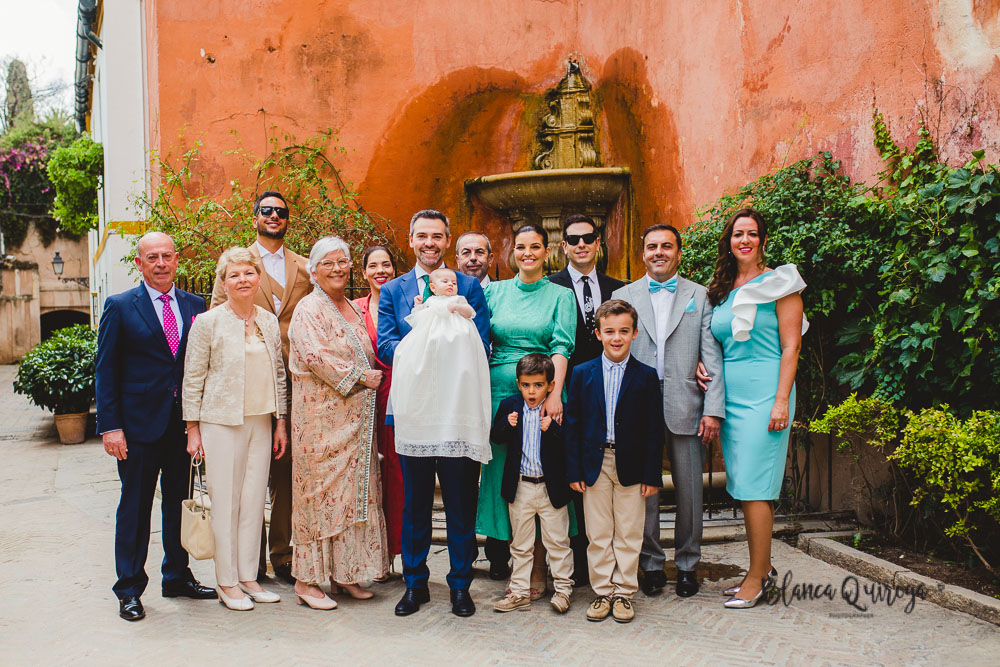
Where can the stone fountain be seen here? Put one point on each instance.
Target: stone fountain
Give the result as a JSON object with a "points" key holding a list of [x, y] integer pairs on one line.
{"points": [[567, 177]]}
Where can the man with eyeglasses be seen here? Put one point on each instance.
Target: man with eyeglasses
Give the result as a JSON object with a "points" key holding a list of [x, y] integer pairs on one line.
{"points": [[474, 255], [580, 243], [284, 283]]}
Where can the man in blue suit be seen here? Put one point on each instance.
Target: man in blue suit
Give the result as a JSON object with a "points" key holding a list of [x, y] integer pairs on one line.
{"points": [[140, 362], [430, 236]]}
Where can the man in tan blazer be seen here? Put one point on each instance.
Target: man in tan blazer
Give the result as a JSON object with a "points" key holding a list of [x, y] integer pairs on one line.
{"points": [[284, 282]]}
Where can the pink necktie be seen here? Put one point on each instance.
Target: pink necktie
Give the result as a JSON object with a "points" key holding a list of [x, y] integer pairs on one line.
{"points": [[170, 325]]}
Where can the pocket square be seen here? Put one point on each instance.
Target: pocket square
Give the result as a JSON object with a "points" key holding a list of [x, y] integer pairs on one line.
{"points": [[690, 308]]}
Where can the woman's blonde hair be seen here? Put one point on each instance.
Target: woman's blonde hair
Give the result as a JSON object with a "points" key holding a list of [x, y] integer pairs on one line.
{"points": [[236, 255]]}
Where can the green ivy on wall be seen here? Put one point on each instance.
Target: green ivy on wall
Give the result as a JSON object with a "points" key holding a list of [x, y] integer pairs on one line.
{"points": [[75, 172]]}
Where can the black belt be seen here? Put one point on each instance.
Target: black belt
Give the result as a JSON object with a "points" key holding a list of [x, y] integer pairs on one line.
{"points": [[609, 445], [533, 480]]}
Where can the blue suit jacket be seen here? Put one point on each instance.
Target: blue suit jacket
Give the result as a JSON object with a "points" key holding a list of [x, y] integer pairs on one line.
{"points": [[138, 379], [553, 453], [396, 302], [638, 425]]}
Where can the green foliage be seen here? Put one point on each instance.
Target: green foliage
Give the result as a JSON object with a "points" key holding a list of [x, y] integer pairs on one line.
{"points": [[852, 422], [203, 225], [76, 171], [957, 467], [58, 373], [944, 472], [26, 193], [935, 330]]}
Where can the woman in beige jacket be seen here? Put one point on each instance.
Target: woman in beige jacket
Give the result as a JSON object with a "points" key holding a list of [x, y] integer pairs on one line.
{"points": [[234, 380]]}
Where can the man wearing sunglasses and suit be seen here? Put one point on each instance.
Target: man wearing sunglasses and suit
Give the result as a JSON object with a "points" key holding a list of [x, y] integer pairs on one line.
{"points": [[284, 283], [592, 288]]}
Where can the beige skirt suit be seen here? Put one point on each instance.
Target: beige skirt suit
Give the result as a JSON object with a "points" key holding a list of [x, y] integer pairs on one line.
{"points": [[233, 383]]}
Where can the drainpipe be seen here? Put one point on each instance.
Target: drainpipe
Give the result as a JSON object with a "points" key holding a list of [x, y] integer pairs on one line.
{"points": [[85, 36]]}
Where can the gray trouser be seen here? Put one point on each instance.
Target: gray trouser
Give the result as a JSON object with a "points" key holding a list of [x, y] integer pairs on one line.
{"points": [[687, 460]]}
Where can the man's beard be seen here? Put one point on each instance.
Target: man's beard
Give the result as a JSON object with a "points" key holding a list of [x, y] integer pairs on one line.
{"points": [[264, 231]]}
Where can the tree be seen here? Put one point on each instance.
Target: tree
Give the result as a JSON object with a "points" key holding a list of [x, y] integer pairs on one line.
{"points": [[20, 105]]}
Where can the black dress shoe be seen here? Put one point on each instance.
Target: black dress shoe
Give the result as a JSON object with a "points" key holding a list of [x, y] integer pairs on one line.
{"points": [[499, 570], [687, 583], [284, 572], [461, 602], [131, 609], [188, 589], [411, 601], [262, 577], [653, 582]]}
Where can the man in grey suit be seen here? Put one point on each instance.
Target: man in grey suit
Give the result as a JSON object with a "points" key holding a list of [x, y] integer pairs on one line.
{"points": [[675, 333]]}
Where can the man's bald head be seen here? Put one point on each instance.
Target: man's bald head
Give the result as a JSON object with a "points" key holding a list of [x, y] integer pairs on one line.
{"points": [[157, 260]]}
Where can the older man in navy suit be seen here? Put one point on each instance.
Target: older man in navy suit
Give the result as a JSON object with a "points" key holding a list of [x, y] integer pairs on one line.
{"points": [[140, 363], [430, 236]]}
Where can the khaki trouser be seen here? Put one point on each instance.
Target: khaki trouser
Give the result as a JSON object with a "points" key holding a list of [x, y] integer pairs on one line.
{"points": [[614, 516], [533, 500], [236, 460]]}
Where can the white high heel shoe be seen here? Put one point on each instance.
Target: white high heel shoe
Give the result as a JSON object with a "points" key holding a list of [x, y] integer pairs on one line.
{"points": [[733, 590], [261, 597], [244, 603]]}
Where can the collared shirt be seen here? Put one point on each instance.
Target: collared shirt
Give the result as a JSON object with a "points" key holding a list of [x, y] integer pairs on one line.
{"points": [[662, 301], [613, 374], [531, 441], [274, 264], [595, 287], [154, 295], [484, 282]]}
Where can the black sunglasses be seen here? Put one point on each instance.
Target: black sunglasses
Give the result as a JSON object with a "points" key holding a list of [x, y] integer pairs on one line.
{"points": [[573, 239], [266, 211]]}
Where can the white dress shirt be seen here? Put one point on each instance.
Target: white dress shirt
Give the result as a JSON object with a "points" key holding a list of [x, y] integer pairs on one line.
{"points": [[662, 300], [274, 264], [484, 282], [613, 374], [531, 441], [154, 295], [595, 287]]}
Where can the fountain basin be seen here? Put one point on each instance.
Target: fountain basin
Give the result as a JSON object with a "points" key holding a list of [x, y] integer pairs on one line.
{"points": [[527, 191]]}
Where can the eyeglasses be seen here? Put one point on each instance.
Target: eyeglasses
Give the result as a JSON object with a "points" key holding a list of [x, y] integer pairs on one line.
{"points": [[573, 239], [266, 211], [328, 264]]}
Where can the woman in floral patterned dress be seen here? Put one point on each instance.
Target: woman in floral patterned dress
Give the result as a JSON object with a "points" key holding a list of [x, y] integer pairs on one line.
{"points": [[337, 525]]}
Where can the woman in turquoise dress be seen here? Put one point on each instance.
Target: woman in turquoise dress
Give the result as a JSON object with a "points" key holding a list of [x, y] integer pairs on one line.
{"points": [[758, 321], [527, 314]]}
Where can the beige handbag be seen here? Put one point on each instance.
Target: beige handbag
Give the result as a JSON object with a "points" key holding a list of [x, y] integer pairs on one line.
{"points": [[197, 537]]}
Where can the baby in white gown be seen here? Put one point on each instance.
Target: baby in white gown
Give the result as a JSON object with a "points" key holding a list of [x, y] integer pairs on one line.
{"points": [[440, 391]]}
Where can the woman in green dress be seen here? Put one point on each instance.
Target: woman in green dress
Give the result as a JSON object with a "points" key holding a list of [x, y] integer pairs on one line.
{"points": [[527, 314], [758, 321]]}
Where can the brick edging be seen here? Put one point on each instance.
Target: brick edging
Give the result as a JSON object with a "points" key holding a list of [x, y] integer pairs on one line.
{"points": [[822, 547]]}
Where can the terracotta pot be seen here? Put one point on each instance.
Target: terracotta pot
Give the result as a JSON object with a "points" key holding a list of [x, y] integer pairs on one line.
{"points": [[72, 428]]}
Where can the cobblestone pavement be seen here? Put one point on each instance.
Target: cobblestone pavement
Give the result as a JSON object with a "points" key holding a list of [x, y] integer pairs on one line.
{"points": [[56, 569]]}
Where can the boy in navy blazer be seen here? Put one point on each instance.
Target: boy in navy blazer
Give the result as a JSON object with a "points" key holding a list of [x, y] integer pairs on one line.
{"points": [[534, 483], [614, 450]]}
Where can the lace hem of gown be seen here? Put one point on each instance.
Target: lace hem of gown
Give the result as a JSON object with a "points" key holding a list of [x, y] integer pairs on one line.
{"points": [[452, 448]]}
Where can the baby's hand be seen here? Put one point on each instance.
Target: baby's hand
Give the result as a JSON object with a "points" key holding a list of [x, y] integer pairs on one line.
{"points": [[512, 419], [417, 300], [545, 422]]}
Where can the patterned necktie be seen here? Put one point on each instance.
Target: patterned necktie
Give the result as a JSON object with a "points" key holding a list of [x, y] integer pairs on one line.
{"points": [[427, 287], [669, 285], [588, 305], [170, 325]]}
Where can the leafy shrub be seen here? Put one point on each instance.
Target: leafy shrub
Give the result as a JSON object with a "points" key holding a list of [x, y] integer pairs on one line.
{"points": [[943, 486], [76, 171], [202, 225], [58, 374]]}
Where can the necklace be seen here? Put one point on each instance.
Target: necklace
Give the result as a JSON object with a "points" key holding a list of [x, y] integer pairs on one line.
{"points": [[246, 320]]}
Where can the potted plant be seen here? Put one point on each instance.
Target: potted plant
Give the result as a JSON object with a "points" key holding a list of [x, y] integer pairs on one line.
{"points": [[58, 375]]}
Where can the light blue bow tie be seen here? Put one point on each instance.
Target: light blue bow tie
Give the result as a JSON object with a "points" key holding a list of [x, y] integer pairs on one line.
{"points": [[669, 285]]}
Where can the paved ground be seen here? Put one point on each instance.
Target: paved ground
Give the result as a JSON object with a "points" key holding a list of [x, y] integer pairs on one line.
{"points": [[56, 570]]}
